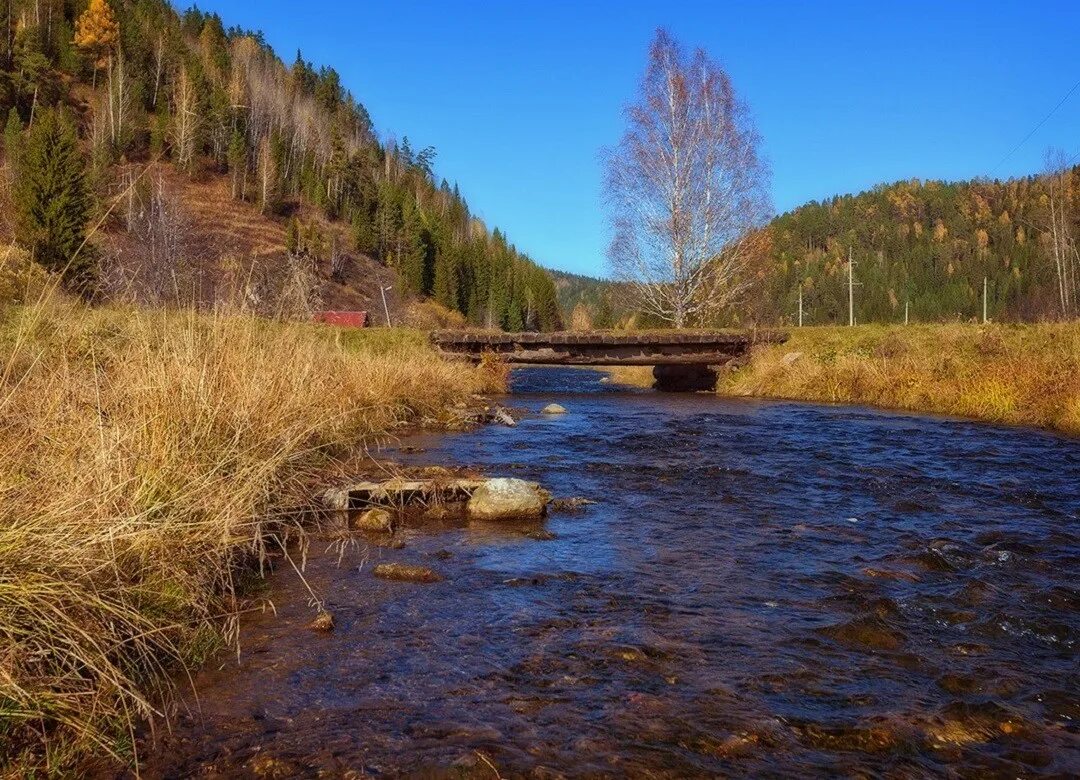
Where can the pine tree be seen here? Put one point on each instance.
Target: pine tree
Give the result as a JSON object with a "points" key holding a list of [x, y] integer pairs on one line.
{"points": [[52, 200]]}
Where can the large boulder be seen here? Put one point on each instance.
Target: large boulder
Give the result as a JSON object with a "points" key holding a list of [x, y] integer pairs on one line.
{"points": [[508, 499]]}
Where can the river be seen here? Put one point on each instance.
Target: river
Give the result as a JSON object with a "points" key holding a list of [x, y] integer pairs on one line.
{"points": [[763, 588]]}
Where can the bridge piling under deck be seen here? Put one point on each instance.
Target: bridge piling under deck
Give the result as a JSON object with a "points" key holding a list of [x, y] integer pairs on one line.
{"points": [[682, 360]]}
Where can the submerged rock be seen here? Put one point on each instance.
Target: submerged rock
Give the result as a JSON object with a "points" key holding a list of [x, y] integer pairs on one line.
{"points": [[323, 621], [506, 498], [553, 409], [575, 504], [375, 520], [405, 572], [446, 511], [541, 535]]}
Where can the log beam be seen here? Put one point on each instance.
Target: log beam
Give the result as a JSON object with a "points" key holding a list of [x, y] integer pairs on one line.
{"points": [[651, 348]]}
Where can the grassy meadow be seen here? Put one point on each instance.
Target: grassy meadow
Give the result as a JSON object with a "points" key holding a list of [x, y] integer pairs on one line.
{"points": [[1013, 374], [150, 462]]}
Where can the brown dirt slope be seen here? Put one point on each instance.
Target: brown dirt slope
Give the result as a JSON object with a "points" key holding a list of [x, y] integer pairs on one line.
{"points": [[216, 229]]}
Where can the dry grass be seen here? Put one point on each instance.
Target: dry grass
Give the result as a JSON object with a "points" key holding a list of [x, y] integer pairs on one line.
{"points": [[148, 463], [631, 376], [1015, 374]]}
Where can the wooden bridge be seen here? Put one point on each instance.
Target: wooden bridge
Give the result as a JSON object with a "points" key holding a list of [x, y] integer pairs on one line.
{"points": [[678, 357]]}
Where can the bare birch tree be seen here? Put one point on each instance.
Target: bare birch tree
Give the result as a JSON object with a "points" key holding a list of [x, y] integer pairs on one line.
{"points": [[185, 126], [118, 102], [267, 175], [1059, 230], [685, 189]]}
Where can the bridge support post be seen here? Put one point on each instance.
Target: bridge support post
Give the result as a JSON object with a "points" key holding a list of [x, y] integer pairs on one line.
{"points": [[684, 378]]}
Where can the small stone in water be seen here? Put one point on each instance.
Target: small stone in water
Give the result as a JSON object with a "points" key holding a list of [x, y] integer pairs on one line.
{"points": [[405, 572], [553, 409], [853, 519], [540, 535], [323, 621]]}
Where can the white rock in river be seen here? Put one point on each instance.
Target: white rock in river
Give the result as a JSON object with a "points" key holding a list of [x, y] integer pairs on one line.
{"points": [[508, 499], [553, 409]]}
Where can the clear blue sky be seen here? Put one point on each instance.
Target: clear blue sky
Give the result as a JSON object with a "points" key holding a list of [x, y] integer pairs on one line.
{"points": [[518, 97]]}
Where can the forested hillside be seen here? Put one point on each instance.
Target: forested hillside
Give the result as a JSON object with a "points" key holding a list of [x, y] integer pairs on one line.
{"points": [[930, 245], [920, 246], [123, 84], [586, 302]]}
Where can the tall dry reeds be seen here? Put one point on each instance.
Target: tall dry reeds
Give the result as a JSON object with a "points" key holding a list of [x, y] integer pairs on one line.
{"points": [[148, 460]]}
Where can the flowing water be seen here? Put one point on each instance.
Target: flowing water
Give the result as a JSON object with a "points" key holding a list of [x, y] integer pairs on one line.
{"points": [[764, 588]]}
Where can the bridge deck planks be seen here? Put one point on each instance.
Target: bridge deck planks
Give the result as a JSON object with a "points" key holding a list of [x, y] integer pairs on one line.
{"points": [[603, 348]]}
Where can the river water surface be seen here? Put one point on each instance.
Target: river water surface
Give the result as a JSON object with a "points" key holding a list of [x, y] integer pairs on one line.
{"points": [[764, 588]]}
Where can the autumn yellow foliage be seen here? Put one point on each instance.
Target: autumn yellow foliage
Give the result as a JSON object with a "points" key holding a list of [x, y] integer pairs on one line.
{"points": [[97, 31]]}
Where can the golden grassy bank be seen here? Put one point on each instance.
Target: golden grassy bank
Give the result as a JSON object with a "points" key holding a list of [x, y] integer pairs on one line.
{"points": [[148, 461], [1015, 374]]}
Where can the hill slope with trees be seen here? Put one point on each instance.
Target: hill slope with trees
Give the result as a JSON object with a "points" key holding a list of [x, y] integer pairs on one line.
{"points": [[148, 92], [928, 244], [920, 247]]}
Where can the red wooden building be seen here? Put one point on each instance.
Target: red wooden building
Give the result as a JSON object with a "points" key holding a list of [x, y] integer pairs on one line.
{"points": [[344, 319]]}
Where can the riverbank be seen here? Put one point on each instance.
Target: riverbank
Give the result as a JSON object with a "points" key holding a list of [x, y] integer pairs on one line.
{"points": [[151, 464], [1013, 374]]}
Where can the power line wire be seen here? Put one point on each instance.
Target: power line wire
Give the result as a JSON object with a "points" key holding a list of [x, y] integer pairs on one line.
{"points": [[1036, 128]]}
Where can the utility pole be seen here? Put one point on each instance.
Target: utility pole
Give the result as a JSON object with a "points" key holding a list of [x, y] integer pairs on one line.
{"points": [[850, 290], [984, 300], [800, 304], [385, 308]]}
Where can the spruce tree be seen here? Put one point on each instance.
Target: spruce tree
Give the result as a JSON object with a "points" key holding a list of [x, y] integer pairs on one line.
{"points": [[363, 232], [413, 250], [446, 281], [52, 200], [13, 137], [292, 236]]}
